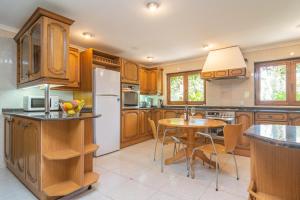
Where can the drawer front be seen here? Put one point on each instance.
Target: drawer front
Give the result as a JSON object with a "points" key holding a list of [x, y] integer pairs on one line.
{"points": [[237, 72], [207, 75], [258, 122], [220, 74], [271, 116]]}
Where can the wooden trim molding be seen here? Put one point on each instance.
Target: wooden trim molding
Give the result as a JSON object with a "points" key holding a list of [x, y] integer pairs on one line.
{"points": [[185, 83]]}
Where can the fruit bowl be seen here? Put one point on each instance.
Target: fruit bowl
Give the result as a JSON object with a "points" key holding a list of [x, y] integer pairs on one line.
{"points": [[71, 108]]}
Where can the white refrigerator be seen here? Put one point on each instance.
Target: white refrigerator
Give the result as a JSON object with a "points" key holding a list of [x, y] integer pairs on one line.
{"points": [[106, 93]]}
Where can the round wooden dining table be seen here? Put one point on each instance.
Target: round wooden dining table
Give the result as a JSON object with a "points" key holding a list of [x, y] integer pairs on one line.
{"points": [[190, 127]]}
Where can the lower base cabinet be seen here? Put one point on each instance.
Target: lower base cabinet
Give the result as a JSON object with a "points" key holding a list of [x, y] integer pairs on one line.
{"points": [[52, 158], [135, 126]]}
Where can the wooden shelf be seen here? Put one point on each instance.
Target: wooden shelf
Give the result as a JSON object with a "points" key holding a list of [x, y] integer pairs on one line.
{"points": [[90, 148], [90, 178], [61, 155], [61, 189]]}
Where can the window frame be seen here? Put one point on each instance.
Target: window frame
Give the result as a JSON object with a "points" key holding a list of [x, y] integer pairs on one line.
{"points": [[290, 82], [185, 101]]}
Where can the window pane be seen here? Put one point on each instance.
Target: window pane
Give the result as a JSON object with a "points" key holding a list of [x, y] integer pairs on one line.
{"points": [[176, 88], [273, 83], [298, 81], [196, 88]]}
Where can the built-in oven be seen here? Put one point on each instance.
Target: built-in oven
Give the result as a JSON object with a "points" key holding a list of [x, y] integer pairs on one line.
{"points": [[130, 95]]}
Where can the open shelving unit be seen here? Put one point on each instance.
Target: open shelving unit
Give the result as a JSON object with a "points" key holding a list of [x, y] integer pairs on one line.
{"points": [[67, 157]]}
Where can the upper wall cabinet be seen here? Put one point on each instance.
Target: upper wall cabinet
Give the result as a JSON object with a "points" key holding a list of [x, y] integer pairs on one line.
{"points": [[151, 81], [43, 50], [130, 72]]}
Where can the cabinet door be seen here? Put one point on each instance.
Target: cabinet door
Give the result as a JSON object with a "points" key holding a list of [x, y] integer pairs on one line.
{"points": [[24, 58], [159, 82], [36, 50], [18, 148], [130, 72], [247, 120], [8, 139], [130, 125], [152, 82], [74, 67], [142, 125], [32, 152], [143, 81], [57, 49]]}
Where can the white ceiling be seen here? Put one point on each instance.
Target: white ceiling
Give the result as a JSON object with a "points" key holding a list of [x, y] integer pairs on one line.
{"points": [[178, 30]]}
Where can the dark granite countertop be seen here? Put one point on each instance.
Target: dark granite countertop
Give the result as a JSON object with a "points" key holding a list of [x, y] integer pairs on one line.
{"points": [[230, 108], [280, 135], [56, 115]]}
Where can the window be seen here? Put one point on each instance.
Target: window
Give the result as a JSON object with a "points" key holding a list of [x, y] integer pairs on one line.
{"points": [[277, 83], [185, 88]]}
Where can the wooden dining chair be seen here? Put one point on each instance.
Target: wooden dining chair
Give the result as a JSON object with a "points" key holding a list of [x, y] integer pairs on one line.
{"points": [[160, 138], [164, 140], [231, 136]]}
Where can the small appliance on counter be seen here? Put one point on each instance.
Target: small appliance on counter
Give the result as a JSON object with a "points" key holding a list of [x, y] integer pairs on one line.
{"points": [[149, 102], [143, 104], [159, 103], [37, 103]]}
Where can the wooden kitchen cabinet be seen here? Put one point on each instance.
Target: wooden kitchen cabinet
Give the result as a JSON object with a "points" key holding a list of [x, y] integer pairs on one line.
{"points": [[130, 125], [8, 145], [247, 120], [271, 118], [19, 148], [145, 128], [32, 153], [129, 72], [43, 49], [144, 85], [135, 127], [151, 81], [74, 66]]}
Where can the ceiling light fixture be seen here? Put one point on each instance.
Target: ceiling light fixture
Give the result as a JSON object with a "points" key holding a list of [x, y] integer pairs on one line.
{"points": [[88, 35], [150, 58], [292, 53], [152, 6]]}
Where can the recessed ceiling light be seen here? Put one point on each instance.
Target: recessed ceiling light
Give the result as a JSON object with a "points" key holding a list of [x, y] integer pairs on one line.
{"points": [[150, 58], [152, 6], [292, 53], [88, 35]]}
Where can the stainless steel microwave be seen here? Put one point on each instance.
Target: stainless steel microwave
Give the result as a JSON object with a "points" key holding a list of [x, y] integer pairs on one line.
{"points": [[37, 103], [130, 95]]}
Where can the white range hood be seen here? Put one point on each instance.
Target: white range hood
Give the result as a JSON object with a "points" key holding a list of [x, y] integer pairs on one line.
{"points": [[224, 63]]}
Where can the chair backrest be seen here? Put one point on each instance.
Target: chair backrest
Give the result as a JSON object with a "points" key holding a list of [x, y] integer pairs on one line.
{"points": [[232, 133], [153, 128]]}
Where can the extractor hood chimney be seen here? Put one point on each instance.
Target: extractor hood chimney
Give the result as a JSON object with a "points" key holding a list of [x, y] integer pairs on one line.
{"points": [[224, 63]]}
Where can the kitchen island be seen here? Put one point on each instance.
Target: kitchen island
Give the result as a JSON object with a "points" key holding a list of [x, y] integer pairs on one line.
{"points": [[52, 154], [275, 162]]}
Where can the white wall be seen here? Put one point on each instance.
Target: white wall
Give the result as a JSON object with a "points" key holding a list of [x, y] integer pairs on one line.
{"points": [[232, 92], [10, 97]]}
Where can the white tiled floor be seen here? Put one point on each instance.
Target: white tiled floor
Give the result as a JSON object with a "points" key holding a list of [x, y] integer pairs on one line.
{"points": [[131, 174]]}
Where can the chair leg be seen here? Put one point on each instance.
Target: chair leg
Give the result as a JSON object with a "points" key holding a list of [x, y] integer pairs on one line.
{"points": [[155, 149], [236, 168], [175, 149], [187, 163], [210, 160], [217, 173], [162, 157]]}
